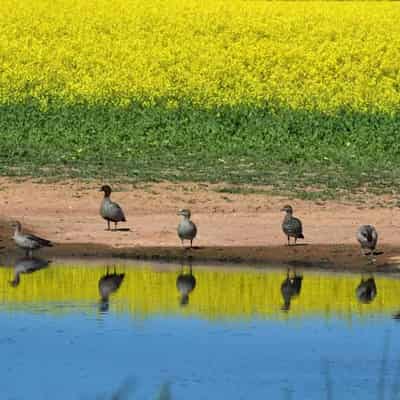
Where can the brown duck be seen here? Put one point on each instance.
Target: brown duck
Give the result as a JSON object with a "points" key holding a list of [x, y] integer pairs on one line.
{"points": [[109, 210]]}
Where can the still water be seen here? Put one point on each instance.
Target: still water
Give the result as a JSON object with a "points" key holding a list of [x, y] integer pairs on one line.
{"points": [[80, 332]]}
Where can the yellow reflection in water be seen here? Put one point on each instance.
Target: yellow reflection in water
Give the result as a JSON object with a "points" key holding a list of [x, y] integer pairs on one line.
{"points": [[219, 293]]}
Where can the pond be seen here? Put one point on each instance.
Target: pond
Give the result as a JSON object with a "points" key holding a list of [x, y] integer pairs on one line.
{"points": [[115, 330]]}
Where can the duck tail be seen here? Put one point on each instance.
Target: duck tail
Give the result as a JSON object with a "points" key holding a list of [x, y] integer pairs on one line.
{"points": [[301, 236]]}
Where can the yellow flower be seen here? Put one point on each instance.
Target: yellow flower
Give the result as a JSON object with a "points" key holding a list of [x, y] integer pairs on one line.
{"points": [[313, 55]]}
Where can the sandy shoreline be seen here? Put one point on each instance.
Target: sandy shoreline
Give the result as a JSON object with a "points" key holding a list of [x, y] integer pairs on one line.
{"points": [[239, 228]]}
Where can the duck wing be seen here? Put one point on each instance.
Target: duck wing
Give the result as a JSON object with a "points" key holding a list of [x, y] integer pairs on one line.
{"points": [[110, 283], [116, 212], [297, 225], [367, 233], [293, 226], [187, 230], [39, 240], [372, 234]]}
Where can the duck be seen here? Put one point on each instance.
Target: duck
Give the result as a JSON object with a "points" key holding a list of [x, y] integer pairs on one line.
{"points": [[185, 283], [187, 230], [108, 284], [366, 291], [291, 226], [367, 236], [27, 265], [290, 288], [28, 242], [109, 210]]}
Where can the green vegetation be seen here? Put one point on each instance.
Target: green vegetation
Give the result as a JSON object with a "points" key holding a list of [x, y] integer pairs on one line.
{"points": [[303, 97], [287, 149]]}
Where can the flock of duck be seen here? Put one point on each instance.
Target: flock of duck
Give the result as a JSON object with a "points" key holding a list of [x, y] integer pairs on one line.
{"points": [[109, 283], [111, 211]]}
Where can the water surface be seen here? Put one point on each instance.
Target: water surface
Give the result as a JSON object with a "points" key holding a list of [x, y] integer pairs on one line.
{"points": [[238, 334]]}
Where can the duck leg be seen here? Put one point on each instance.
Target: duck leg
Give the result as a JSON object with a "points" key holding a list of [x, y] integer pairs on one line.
{"points": [[108, 225], [288, 240], [115, 226], [191, 243], [365, 252], [371, 257]]}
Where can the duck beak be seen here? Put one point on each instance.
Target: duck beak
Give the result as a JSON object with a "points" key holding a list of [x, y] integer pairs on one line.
{"points": [[282, 209], [100, 190]]}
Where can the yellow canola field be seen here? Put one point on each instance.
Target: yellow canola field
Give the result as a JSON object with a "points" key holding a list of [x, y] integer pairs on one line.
{"points": [[305, 55], [219, 293]]}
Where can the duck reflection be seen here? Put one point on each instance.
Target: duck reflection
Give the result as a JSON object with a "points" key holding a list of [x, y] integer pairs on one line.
{"points": [[108, 284], [366, 290], [290, 288], [27, 265], [185, 283]]}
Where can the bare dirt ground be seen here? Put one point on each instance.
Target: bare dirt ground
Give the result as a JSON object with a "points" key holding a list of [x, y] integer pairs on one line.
{"points": [[231, 227]]}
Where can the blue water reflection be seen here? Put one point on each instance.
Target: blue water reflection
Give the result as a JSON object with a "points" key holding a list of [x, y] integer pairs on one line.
{"points": [[83, 355]]}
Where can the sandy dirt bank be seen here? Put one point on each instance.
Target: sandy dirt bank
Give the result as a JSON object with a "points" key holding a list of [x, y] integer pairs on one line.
{"points": [[231, 227]]}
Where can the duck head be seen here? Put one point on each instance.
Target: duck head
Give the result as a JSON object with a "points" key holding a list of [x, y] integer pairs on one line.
{"points": [[106, 189], [288, 209], [184, 213], [16, 225]]}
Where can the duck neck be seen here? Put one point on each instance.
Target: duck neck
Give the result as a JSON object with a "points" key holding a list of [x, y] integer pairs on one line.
{"points": [[288, 215]]}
